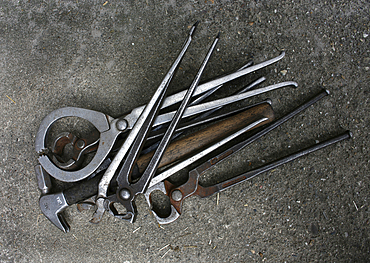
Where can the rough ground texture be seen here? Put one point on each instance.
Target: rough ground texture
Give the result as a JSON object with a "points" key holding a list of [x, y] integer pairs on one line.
{"points": [[110, 56]]}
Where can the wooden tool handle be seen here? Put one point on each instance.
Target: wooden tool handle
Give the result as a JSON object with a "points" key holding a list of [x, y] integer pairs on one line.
{"points": [[200, 139]]}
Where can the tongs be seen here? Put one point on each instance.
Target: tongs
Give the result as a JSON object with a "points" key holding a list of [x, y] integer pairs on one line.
{"points": [[128, 190]]}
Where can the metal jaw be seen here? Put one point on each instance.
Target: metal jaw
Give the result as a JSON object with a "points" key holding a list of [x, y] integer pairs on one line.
{"points": [[174, 214], [130, 213], [102, 122], [52, 206], [81, 147]]}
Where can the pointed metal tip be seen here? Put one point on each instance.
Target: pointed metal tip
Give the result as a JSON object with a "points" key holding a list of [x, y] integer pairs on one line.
{"points": [[193, 28], [218, 35], [327, 91], [350, 134], [269, 101], [282, 54], [249, 63], [295, 84]]}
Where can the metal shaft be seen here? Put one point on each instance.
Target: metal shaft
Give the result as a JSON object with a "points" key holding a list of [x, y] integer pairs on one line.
{"points": [[127, 191], [167, 173], [207, 191], [152, 107], [198, 119]]}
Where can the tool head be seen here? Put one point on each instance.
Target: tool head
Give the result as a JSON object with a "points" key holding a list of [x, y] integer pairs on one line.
{"points": [[52, 205], [167, 220]]}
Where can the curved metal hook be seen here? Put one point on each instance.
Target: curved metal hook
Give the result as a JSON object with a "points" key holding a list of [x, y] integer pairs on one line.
{"points": [[105, 124], [109, 206], [81, 147]]}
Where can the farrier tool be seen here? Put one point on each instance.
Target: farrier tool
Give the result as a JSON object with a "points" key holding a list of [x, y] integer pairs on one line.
{"points": [[127, 190], [109, 127], [192, 187], [258, 115], [139, 121]]}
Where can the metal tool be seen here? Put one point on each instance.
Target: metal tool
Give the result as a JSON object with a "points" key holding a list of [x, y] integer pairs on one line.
{"points": [[127, 190], [158, 182], [52, 205], [62, 140], [109, 128], [200, 119], [135, 141], [137, 125], [193, 188]]}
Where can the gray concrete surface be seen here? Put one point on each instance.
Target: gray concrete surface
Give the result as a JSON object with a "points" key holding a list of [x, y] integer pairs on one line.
{"points": [[110, 56]]}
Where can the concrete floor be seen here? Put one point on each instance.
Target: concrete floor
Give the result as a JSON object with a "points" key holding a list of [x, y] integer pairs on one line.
{"points": [[110, 56]]}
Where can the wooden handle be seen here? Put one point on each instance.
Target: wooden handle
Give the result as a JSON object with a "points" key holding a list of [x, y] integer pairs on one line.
{"points": [[200, 139]]}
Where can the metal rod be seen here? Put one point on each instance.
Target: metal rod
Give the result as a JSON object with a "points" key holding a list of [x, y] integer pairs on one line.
{"points": [[108, 175], [127, 191], [167, 173], [221, 102], [249, 175]]}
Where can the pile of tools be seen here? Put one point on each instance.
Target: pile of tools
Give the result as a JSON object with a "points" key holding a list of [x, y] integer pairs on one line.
{"points": [[137, 153]]}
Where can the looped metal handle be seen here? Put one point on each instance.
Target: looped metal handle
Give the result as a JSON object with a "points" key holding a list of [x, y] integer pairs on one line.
{"points": [[175, 214]]}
